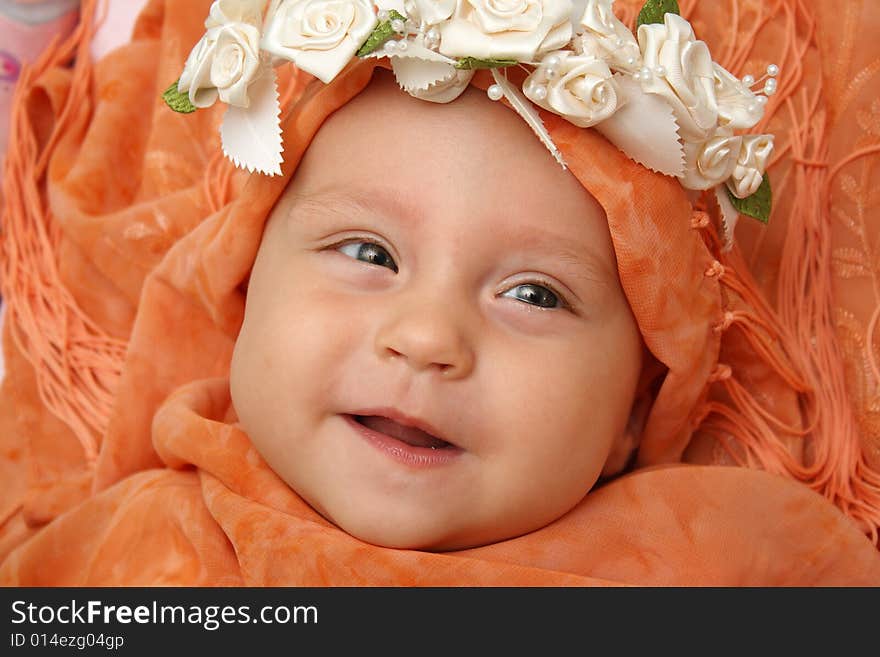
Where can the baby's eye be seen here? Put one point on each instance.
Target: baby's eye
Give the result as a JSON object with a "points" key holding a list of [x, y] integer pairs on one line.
{"points": [[536, 295], [369, 252]]}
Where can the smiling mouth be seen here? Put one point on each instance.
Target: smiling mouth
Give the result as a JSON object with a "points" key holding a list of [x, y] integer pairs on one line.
{"points": [[410, 435]]}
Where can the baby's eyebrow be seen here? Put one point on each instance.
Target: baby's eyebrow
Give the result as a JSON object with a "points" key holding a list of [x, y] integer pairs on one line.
{"points": [[586, 264], [355, 200], [587, 267]]}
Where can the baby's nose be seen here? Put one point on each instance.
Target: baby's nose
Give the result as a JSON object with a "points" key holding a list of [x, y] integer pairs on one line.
{"points": [[428, 335]]}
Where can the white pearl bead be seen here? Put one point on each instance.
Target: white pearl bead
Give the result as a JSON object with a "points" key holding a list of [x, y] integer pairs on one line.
{"points": [[551, 61], [619, 43], [645, 72], [397, 25], [752, 108], [749, 80], [540, 93], [770, 87], [773, 70], [661, 71], [550, 73], [631, 61], [391, 45], [495, 92], [402, 45], [762, 100]]}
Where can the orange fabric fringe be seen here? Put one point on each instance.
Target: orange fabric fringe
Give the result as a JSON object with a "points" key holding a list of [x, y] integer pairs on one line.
{"points": [[77, 363]]}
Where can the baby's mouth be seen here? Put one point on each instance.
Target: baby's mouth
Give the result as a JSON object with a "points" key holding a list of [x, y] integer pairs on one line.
{"points": [[409, 435]]}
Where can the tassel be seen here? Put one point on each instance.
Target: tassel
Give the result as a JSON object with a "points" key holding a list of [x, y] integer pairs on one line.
{"points": [[796, 340], [77, 365]]}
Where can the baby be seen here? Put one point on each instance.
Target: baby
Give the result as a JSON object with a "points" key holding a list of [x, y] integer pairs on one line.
{"points": [[425, 334], [436, 351]]}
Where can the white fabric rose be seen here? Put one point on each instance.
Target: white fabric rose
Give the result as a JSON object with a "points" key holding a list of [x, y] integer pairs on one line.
{"points": [[319, 36], [682, 72], [506, 29], [429, 12], [396, 5], [580, 89], [606, 37], [240, 11], [751, 164], [710, 163], [738, 107], [446, 90], [226, 60]]}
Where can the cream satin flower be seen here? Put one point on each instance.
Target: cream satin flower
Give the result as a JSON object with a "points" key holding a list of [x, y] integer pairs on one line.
{"points": [[319, 36], [242, 11], [680, 69], [397, 5], [446, 90], [606, 37], [738, 107], [428, 12], [226, 60], [506, 29], [578, 88], [711, 162], [751, 164]]}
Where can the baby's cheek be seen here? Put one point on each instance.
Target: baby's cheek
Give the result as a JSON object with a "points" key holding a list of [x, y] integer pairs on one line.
{"points": [[319, 340], [579, 389]]}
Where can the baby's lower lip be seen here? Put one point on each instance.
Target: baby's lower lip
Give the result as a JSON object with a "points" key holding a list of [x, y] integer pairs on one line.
{"points": [[410, 455]]}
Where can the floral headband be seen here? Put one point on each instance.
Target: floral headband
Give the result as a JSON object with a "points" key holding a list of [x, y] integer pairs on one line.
{"points": [[657, 95]]}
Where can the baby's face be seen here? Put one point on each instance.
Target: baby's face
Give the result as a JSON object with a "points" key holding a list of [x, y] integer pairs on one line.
{"points": [[432, 269]]}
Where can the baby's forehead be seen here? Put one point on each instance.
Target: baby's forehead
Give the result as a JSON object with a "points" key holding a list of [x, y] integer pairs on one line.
{"points": [[383, 127]]}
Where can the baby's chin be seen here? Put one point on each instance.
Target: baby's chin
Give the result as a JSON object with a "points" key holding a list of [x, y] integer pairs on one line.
{"points": [[421, 530], [421, 538], [389, 531]]}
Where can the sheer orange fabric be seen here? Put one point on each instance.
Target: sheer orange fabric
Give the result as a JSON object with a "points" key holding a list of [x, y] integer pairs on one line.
{"points": [[125, 259]]}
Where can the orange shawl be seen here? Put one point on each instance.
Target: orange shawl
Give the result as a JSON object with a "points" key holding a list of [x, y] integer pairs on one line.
{"points": [[124, 279]]}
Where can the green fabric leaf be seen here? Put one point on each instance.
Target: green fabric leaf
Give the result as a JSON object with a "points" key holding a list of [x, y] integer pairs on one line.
{"points": [[177, 101], [655, 10], [381, 33], [470, 63], [758, 204]]}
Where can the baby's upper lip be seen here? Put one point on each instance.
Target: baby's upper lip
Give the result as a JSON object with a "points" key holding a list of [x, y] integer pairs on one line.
{"points": [[406, 420]]}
